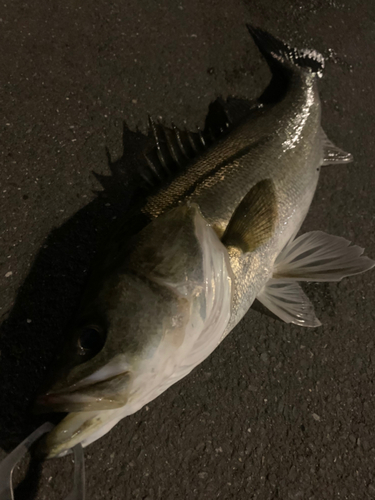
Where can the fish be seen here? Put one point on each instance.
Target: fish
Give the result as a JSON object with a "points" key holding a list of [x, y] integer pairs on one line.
{"points": [[172, 282]]}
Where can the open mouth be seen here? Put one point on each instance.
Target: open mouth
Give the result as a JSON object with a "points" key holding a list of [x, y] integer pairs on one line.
{"points": [[87, 395]]}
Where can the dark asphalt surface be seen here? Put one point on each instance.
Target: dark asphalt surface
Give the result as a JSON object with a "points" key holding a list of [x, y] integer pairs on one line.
{"points": [[276, 412]]}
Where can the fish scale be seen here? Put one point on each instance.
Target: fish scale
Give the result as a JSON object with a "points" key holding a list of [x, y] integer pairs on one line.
{"points": [[290, 154]]}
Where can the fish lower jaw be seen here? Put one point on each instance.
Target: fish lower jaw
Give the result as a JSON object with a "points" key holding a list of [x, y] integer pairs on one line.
{"points": [[85, 427], [78, 428]]}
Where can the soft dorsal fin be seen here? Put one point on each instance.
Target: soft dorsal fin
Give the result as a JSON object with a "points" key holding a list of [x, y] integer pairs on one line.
{"points": [[253, 222], [332, 155]]}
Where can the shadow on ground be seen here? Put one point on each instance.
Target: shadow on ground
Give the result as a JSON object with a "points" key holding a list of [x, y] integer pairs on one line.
{"points": [[53, 287], [51, 292]]}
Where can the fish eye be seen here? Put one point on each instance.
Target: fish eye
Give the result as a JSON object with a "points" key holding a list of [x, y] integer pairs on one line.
{"points": [[91, 340]]}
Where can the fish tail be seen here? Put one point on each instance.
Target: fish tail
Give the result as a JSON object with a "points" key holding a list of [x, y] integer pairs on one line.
{"points": [[276, 51]]}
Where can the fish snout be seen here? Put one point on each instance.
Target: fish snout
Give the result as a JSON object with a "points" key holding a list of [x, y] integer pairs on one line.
{"points": [[107, 394]]}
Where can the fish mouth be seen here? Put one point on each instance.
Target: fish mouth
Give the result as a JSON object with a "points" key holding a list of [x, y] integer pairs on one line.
{"points": [[77, 427], [87, 395]]}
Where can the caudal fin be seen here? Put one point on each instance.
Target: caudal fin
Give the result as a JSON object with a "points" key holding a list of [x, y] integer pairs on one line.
{"points": [[279, 52]]}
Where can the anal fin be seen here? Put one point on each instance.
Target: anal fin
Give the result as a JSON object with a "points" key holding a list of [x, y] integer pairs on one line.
{"points": [[332, 155], [288, 302], [253, 222]]}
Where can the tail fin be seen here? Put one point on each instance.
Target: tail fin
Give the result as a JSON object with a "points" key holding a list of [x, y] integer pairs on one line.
{"points": [[278, 51]]}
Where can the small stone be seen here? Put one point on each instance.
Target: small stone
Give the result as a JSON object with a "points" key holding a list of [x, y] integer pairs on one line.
{"points": [[365, 445], [264, 357], [28, 321], [316, 417], [203, 475], [292, 473], [200, 447], [352, 438], [8, 274]]}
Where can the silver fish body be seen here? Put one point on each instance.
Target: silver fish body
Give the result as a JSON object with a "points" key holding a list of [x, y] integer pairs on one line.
{"points": [[282, 142], [220, 235]]}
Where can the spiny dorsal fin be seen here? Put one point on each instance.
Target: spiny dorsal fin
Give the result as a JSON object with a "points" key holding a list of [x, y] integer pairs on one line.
{"points": [[332, 155], [254, 220], [160, 148], [173, 148], [166, 151]]}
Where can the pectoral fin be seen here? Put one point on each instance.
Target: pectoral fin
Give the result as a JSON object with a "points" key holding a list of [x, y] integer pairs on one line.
{"points": [[332, 155], [254, 220], [288, 302], [318, 256]]}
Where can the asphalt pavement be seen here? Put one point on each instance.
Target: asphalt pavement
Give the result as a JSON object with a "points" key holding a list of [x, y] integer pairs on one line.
{"points": [[277, 411]]}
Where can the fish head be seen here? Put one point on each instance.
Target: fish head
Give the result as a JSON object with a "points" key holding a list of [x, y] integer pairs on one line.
{"points": [[112, 361], [116, 333], [136, 327]]}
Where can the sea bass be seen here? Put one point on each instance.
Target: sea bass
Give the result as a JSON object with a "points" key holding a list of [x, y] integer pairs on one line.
{"points": [[163, 296]]}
